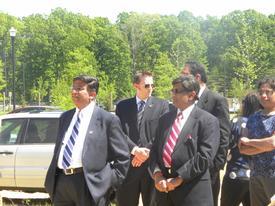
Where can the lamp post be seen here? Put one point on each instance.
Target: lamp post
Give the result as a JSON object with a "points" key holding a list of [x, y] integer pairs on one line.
{"points": [[12, 35]]}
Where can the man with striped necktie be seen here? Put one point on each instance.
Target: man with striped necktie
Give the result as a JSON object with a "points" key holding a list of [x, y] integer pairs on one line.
{"points": [[187, 141], [91, 155]]}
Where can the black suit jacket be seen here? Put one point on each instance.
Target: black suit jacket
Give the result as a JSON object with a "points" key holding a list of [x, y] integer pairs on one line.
{"points": [[126, 110], [105, 156], [217, 105], [194, 151]]}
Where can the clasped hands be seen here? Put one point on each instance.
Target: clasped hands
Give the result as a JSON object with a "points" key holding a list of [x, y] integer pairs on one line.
{"points": [[141, 154], [166, 185]]}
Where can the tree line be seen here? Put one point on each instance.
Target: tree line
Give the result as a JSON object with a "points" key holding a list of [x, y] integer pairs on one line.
{"points": [[237, 50]]}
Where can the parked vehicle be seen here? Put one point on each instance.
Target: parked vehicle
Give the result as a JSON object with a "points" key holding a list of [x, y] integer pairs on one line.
{"points": [[26, 148], [35, 109]]}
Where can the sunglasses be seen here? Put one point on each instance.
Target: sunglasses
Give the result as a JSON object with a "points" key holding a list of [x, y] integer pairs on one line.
{"points": [[148, 86], [178, 91]]}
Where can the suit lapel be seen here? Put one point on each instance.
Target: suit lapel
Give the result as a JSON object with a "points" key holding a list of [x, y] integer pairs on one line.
{"points": [[148, 109], [93, 127], [203, 100]]}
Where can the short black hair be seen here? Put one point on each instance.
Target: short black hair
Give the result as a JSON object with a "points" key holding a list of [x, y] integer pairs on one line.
{"points": [[92, 82], [188, 83], [267, 80], [138, 76], [197, 68], [250, 104]]}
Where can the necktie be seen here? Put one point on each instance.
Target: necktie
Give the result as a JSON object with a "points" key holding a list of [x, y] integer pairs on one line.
{"points": [[67, 156], [171, 141], [141, 105]]}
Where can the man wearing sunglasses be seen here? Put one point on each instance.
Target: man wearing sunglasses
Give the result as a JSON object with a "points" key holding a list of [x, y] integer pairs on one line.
{"points": [[216, 105], [187, 141], [139, 118]]}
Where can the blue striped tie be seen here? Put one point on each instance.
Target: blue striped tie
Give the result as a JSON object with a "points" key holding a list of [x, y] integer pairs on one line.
{"points": [[67, 156]]}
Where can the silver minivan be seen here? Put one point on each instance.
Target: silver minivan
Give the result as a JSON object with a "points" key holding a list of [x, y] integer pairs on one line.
{"points": [[27, 142]]}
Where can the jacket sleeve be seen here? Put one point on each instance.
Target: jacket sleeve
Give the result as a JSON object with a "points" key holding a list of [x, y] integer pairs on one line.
{"points": [[222, 113]]}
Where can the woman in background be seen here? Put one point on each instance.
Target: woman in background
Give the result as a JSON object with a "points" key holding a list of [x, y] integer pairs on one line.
{"points": [[235, 186], [259, 144]]}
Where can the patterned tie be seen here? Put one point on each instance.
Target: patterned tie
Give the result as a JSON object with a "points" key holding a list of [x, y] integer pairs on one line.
{"points": [[67, 156], [141, 105], [171, 141]]}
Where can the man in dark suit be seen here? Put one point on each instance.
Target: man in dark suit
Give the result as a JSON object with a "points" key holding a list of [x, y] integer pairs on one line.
{"points": [[186, 144], [91, 155], [139, 117], [216, 105]]}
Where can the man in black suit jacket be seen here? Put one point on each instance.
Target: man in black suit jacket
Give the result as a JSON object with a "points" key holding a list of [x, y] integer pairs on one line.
{"points": [[185, 180], [216, 105], [97, 159], [140, 127]]}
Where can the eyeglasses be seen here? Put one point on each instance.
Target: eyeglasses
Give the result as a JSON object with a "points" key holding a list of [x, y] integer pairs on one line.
{"points": [[177, 91], [148, 86], [266, 92], [77, 89]]}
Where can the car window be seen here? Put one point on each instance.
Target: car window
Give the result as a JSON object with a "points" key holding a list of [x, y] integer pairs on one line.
{"points": [[41, 131], [10, 131]]}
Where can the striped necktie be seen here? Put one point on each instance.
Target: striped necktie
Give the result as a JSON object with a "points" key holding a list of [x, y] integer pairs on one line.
{"points": [[141, 105], [67, 156], [171, 141]]}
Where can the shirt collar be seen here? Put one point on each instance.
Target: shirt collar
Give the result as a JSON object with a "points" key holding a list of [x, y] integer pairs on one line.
{"points": [[187, 111], [202, 88], [138, 100], [86, 109]]}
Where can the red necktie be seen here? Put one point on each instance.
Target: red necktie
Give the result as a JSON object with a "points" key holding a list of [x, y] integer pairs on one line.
{"points": [[171, 141]]}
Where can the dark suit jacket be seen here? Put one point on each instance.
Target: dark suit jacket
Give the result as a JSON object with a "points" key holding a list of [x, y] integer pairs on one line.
{"points": [[217, 105], [194, 151], [105, 156], [126, 110]]}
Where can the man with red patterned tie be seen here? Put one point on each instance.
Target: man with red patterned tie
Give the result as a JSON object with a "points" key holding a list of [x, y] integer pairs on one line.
{"points": [[186, 142]]}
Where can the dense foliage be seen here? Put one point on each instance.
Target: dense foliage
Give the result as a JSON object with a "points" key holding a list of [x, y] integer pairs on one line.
{"points": [[237, 49]]}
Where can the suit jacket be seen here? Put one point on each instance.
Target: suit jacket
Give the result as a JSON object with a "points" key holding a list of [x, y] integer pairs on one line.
{"points": [[194, 151], [105, 155], [217, 105], [126, 110]]}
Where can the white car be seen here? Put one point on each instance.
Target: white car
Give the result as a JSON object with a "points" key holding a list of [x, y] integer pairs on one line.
{"points": [[27, 142]]}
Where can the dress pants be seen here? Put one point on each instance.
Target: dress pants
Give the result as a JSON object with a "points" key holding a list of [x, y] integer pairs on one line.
{"points": [[72, 190], [128, 194], [234, 192], [215, 183]]}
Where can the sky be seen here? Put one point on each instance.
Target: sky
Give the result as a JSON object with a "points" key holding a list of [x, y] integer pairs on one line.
{"points": [[111, 8]]}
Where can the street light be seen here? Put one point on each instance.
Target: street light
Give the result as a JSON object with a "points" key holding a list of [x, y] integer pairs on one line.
{"points": [[12, 35]]}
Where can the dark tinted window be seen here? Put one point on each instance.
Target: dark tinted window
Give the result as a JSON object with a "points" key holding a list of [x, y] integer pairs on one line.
{"points": [[41, 131], [10, 130]]}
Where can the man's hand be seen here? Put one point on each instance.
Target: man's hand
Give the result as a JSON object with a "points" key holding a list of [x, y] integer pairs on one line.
{"points": [[141, 154], [166, 185], [173, 183], [136, 162], [160, 182]]}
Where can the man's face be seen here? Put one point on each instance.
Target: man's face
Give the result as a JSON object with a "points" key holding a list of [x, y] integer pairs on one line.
{"points": [[182, 99], [145, 87], [185, 71], [81, 96]]}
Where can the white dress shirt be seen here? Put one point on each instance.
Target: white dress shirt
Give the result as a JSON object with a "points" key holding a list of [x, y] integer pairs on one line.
{"points": [[85, 116]]}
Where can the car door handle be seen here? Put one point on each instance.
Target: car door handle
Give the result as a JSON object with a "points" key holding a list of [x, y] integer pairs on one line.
{"points": [[6, 152]]}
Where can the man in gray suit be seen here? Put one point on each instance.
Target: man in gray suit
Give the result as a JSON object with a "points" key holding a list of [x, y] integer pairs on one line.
{"points": [[216, 105], [91, 155], [139, 118]]}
